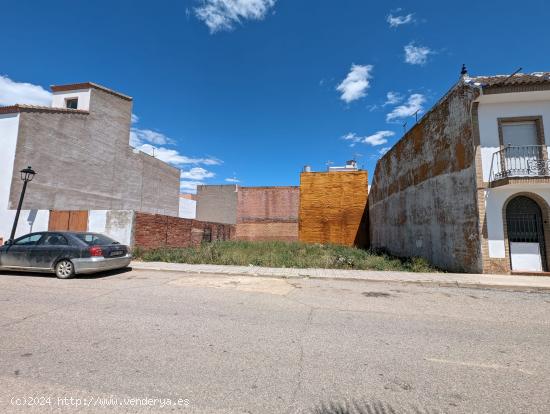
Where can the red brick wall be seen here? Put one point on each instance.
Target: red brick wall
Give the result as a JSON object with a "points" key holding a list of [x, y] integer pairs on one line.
{"points": [[267, 213], [267, 231], [153, 230]]}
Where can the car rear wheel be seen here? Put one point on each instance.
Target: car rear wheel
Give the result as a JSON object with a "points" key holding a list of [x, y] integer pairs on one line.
{"points": [[64, 269]]}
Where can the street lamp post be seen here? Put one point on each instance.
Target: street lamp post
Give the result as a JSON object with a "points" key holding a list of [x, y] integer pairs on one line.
{"points": [[26, 175]]}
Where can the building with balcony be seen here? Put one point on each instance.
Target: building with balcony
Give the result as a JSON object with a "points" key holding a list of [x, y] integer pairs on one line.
{"points": [[468, 187]]}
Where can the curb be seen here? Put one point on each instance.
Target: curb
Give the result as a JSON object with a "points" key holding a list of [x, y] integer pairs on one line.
{"points": [[427, 283]]}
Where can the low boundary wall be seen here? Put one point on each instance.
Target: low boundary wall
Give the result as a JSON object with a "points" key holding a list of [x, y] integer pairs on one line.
{"points": [[153, 231]]}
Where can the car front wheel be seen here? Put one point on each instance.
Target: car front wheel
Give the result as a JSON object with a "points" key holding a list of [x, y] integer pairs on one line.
{"points": [[64, 269]]}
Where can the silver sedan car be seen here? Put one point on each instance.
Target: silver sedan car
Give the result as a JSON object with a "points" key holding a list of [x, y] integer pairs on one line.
{"points": [[64, 253]]}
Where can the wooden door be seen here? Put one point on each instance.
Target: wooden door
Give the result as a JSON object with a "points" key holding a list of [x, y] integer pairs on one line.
{"points": [[78, 221], [68, 220]]}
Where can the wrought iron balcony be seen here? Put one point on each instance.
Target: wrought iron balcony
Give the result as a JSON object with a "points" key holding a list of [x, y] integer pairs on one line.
{"points": [[527, 161]]}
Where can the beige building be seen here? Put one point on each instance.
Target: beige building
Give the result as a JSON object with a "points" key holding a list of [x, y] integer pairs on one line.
{"points": [[79, 148]]}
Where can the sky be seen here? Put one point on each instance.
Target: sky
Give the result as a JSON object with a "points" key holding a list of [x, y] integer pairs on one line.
{"points": [[251, 91]]}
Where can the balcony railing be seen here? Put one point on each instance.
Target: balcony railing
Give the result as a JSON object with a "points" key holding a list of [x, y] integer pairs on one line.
{"points": [[520, 161]]}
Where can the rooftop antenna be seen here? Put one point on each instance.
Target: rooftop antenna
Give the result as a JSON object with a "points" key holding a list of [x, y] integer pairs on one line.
{"points": [[463, 71], [512, 75]]}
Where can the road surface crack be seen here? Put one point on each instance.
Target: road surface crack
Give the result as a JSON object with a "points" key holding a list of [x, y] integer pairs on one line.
{"points": [[301, 361]]}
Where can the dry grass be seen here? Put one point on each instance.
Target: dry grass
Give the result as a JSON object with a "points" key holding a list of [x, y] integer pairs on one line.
{"points": [[281, 254]]}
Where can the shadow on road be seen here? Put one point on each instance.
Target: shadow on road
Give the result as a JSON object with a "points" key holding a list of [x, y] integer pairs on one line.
{"points": [[366, 407], [99, 275]]}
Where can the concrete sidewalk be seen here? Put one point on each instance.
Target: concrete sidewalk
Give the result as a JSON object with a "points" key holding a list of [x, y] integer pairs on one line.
{"points": [[524, 283]]}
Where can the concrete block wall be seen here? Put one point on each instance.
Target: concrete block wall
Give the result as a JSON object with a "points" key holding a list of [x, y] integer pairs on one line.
{"points": [[217, 203], [84, 162], [423, 199], [154, 231]]}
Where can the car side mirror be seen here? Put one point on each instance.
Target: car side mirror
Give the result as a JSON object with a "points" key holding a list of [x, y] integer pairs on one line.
{"points": [[8, 242]]}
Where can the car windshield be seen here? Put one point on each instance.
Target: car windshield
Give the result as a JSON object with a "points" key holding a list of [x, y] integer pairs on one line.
{"points": [[94, 239]]}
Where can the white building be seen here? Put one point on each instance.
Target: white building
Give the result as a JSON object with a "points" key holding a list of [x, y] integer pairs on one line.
{"points": [[516, 169]]}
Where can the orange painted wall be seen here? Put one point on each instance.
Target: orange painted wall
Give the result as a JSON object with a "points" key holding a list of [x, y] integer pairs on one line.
{"points": [[333, 208]]}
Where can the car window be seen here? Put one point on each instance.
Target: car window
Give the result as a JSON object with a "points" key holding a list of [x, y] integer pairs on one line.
{"points": [[95, 239], [54, 240], [28, 241]]}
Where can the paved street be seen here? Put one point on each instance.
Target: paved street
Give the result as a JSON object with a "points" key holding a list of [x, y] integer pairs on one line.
{"points": [[236, 344]]}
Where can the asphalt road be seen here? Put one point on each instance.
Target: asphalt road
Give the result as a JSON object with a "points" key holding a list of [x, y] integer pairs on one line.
{"points": [[215, 344]]}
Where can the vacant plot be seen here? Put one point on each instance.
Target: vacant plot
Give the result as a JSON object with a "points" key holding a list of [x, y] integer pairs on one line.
{"points": [[281, 254]]}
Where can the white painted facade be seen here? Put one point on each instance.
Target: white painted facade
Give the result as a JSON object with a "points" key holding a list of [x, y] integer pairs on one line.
{"points": [[508, 105], [187, 208], [494, 203], [83, 95], [29, 220], [491, 108], [118, 224]]}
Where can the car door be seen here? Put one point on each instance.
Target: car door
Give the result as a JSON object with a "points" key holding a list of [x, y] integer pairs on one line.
{"points": [[17, 254], [49, 250]]}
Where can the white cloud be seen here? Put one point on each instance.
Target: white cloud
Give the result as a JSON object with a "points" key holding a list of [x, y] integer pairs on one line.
{"points": [[382, 151], [12, 93], [413, 105], [356, 83], [221, 15], [139, 136], [197, 174], [396, 21], [232, 180], [190, 186], [417, 55], [135, 119], [151, 142], [378, 138], [172, 156], [393, 98]]}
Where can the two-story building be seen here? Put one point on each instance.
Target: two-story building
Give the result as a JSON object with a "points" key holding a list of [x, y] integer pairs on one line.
{"points": [[79, 147], [468, 187]]}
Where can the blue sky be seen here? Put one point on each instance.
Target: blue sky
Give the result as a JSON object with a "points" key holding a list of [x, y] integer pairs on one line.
{"points": [[256, 89]]}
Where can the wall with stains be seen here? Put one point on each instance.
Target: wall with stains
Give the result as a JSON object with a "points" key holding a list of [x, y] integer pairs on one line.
{"points": [[423, 196]]}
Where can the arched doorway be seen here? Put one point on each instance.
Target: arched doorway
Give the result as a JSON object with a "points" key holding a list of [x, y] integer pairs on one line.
{"points": [[526, 235]]}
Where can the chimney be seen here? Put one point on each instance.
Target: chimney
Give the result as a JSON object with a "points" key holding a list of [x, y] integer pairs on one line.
{"points": [[464, 71]]}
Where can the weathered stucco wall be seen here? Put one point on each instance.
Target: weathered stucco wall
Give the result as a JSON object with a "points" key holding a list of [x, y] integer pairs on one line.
{"points": [[217, 203], [333, 208], [423, 197], [84, 162], [267, 213]]}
